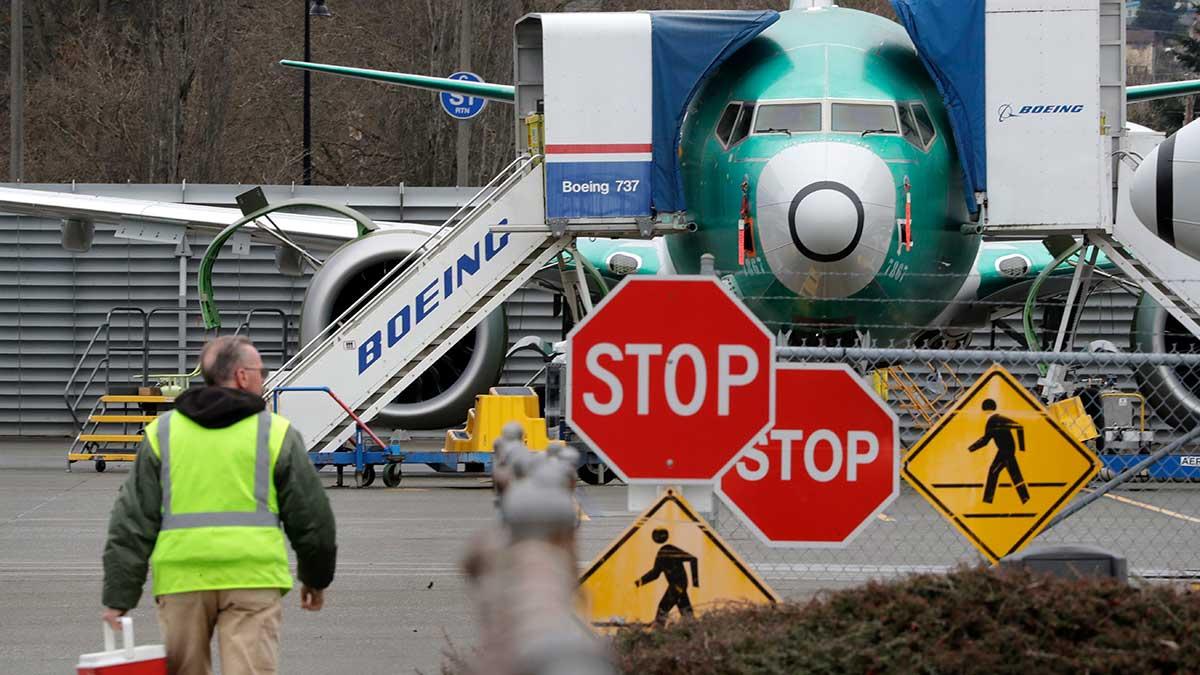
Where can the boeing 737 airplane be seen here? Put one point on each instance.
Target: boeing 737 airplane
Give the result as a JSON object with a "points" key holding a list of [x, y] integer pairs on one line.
{"points": [[819, 168]]}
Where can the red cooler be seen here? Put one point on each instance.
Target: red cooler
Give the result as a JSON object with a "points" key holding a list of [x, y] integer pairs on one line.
{"points": [[128, 660]]}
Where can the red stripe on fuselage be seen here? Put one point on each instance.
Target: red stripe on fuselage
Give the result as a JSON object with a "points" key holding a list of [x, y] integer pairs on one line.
{"points": [[596, 148]]}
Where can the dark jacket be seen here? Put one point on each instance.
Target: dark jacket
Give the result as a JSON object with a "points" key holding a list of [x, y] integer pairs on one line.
{"points": [[137, 515]]}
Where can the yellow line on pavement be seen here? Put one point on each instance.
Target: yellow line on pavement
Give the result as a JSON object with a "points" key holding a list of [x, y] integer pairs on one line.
{"points": [[1156, 509]]}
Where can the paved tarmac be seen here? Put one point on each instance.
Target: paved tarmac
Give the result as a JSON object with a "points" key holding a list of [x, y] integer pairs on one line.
{"points": [[397, 602], [399, 599]]}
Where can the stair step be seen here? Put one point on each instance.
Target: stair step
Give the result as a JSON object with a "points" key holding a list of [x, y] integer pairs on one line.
{"points": [[106, 456], [111, 438], [130, 398], [122, 419]]}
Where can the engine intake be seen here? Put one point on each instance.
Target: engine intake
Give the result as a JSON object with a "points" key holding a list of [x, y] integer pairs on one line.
{"points": [[1173, 392], [443, 394]]}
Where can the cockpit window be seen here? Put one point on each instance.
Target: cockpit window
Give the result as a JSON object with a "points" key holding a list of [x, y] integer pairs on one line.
{"points": [[864, 117], [725, 124], [908, 126], [924, 124], [742, 128], [915, 124], [789, 117]]}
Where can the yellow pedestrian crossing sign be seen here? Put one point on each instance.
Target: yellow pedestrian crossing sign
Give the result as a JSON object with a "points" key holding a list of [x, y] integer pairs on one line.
{"points": [[668, 564], [998, 466]]}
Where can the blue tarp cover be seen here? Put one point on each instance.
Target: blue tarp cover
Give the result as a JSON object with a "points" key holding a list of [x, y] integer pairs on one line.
{"points": [[685, 48], [949, 37]]}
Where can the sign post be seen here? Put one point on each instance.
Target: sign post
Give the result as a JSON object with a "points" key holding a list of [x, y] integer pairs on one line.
{"points": [[669, 378], [826, 468]]}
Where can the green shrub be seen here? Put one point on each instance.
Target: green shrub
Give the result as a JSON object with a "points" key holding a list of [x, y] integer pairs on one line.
{"points": [[969, 621]]}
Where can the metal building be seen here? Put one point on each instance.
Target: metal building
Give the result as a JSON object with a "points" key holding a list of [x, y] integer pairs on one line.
{"points": [[52, 301]]}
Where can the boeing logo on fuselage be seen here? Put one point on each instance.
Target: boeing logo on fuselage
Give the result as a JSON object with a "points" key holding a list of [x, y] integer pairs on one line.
{"points": [[1009, 111], [413, 312]]}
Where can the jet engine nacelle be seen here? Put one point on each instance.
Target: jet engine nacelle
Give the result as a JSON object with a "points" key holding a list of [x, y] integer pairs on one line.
{"points": [[1172, 391], [441, 396], [1164, 193]]}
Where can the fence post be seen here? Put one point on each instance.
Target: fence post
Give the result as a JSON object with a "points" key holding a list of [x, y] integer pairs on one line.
{"points": [[1122, 477]]}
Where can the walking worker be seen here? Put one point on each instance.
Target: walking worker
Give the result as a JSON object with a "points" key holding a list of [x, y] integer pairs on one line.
{"points": [[213, 481]]}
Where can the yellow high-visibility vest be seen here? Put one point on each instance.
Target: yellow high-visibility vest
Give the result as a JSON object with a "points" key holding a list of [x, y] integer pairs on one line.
{"points": [[220, 514]]}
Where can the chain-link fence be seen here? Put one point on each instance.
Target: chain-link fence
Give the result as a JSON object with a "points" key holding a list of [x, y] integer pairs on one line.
{"points": [[1135, 410]]}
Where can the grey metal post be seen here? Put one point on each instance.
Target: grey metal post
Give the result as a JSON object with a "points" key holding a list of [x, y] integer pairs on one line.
{"points": [[183, 253], [16, 111], [464, 63], [1124, 476], [307, 123], [708, 264]]}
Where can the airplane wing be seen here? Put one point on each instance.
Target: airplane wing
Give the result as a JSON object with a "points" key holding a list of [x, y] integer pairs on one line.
{"points": [[1149, 92], [307, 230], [506, 94], [494, 92]]}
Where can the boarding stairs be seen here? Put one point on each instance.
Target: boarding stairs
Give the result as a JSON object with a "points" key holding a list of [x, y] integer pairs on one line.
{"points": [[1169, 292], [926, 397], [428, 302], [110, 425]]}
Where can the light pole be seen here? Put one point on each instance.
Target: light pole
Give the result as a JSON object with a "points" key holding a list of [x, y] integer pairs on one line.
{"points": [[16, 106], [316, 8]]}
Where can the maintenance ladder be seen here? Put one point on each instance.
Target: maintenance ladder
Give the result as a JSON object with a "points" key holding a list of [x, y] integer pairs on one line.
{"points": [[93, 444]]}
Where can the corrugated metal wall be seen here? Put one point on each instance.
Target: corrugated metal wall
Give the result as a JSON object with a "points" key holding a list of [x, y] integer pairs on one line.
{"points": [[52, 301]]}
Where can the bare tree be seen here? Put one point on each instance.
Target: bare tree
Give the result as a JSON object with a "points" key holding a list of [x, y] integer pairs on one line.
{"points": [[162, 91]]}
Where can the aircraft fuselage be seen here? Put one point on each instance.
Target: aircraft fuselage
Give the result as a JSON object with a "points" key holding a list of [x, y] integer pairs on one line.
{"points": [[818, 124]]}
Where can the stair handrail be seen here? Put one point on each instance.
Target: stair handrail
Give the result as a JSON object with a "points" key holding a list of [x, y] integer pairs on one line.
{"points": [[357, 420], [512, 172], [106, 328], [283, 323]]}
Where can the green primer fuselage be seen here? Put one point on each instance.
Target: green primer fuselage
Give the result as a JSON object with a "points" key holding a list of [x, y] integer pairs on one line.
{"points": [[835, 54]]}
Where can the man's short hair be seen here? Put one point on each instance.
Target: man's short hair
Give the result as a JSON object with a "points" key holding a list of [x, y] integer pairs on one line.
{"points": [[221, 357]]}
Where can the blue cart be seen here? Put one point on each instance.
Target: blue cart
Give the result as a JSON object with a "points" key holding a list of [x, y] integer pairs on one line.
{"points": [[370, 451]]}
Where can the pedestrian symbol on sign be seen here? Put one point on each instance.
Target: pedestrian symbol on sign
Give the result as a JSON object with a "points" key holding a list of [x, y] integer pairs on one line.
{"points": [[1009, 437], [670, 562], [666, 541]]}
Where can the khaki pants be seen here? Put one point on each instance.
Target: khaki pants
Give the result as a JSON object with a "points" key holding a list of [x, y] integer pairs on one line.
{"points": [[247, 623]]}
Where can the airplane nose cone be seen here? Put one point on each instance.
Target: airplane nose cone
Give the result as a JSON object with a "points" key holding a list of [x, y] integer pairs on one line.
{"points": [[826, 213], [826, 221]]}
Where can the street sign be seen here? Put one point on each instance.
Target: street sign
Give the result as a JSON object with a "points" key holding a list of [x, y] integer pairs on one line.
{"points": [[669, 378], [828, 466], [667, 565], [998, 466], [461, 106]]}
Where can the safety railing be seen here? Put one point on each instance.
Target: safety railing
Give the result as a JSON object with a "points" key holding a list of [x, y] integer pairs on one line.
{"points": [[139, 344], [105, 329], [496, 187], [361, 426], [284, 331]]}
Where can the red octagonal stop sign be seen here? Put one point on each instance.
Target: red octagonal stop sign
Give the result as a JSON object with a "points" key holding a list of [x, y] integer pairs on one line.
{"points": [[669, 378], [829, 464]]}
